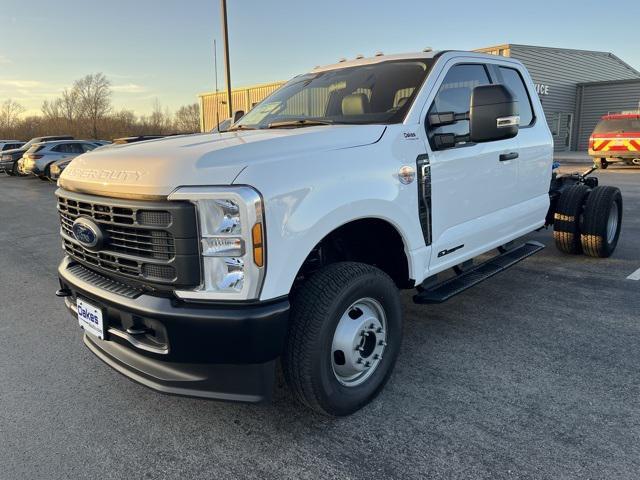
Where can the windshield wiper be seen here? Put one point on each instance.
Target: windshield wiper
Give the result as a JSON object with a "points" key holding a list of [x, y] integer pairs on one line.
{"points": [[239, 127], [301, 122]]}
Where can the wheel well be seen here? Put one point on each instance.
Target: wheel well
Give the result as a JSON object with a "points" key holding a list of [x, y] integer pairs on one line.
{"points": [[371, 241]]}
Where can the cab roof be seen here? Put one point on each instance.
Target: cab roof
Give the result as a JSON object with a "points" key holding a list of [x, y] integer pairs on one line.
{"points": [[380, 57]]}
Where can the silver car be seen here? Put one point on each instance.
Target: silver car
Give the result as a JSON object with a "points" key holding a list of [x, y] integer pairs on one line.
{"points": [[10, 144], [39, 158]]}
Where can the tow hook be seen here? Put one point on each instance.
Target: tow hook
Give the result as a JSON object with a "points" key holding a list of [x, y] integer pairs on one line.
{"points": [[63, 292]]}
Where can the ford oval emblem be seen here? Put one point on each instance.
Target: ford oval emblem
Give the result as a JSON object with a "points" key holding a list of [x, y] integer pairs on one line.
{"points": [[87, 233]]}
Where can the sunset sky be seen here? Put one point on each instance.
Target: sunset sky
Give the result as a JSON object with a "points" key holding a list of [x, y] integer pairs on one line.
{"points": [[164, 49]]}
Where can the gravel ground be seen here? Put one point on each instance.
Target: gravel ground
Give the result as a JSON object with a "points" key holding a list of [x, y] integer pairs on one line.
{"points": [[532, 374]]}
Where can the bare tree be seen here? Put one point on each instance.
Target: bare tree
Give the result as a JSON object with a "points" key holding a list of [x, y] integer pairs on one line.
{"points": [[69, 105], [10, 112], [160, 121], [188, 118], [94, 99]]}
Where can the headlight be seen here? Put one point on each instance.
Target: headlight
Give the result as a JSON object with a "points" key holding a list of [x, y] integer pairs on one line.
{"points": [[232, 243], [54, 169], [5, 158]]}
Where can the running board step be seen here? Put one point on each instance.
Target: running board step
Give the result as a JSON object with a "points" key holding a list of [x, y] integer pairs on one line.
{"points": [[445, 290]]}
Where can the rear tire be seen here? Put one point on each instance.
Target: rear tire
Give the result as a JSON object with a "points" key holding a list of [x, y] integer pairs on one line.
{"points": [[604, 164], [602, 222], [337, 306], [566, 220]]}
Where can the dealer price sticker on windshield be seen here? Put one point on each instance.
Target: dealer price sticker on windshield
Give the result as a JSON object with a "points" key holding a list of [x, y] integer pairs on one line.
{"points": [[90, 318]]}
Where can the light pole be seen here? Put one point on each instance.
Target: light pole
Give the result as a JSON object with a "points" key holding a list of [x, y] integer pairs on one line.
{"points": [[225, 36]]}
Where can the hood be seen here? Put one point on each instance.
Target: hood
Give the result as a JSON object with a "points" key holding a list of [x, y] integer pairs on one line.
{"points": [[154, 168]]}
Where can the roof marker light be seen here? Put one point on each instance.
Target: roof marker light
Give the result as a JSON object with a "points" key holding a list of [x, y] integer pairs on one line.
{"points": [[428, 49]]}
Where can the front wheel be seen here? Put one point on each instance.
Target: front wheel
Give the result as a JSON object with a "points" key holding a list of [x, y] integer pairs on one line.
{"points": [[344, 338]]}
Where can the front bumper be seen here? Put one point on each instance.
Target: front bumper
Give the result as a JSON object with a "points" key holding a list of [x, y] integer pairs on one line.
{"points": [[6, 166], [216, 351]]}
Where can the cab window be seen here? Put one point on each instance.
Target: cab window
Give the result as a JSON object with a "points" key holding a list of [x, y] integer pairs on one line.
{"points": [[454, 95], [513, 81]]}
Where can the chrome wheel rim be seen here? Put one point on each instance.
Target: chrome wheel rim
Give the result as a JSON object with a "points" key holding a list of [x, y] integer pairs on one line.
{"points": [[612, 223], [359, 342]]}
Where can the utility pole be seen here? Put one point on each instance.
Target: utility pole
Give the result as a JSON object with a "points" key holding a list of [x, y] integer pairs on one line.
{"points": [[215, 67], [225, 35]]}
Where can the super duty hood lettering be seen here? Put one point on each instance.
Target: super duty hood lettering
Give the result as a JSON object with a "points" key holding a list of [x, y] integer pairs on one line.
{"points": [[121, 176]]}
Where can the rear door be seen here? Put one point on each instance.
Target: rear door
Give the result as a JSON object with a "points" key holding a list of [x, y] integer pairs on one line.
{"points": [[471, 186], [536, 151]]}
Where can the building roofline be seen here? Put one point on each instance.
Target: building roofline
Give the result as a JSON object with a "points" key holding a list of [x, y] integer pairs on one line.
{"points": [[239, 89], [562, 49]]}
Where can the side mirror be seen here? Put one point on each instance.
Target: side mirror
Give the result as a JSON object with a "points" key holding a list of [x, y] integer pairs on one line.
{"points": [[238, 115], [493, 114]]}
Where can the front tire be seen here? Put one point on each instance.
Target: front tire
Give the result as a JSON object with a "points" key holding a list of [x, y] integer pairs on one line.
{"points": [[46, 174], [602, 222], [344, 338]]}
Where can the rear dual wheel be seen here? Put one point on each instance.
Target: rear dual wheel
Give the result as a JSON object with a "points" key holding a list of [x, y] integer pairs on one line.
{"points": [[588, 221], [567, 218], [345, 333], [602, 222]]}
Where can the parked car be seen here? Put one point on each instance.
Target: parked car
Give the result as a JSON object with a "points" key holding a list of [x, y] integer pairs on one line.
{"points": [[194, 266], [40, 156], [616, 138], [9, 158], [10, 145], [58, 167]]}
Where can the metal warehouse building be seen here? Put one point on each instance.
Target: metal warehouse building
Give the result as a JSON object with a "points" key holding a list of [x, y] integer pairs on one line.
{"points": [[576, 88]]}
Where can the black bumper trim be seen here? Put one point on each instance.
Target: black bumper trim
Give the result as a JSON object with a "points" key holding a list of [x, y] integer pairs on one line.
{"points": [[217, 351], [237, 383]]}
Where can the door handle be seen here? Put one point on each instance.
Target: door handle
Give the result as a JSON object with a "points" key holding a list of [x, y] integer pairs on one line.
{"points": [[504, 157]]}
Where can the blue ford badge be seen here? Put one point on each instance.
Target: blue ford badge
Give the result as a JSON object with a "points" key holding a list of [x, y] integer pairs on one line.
{"points": [[87, 233]]}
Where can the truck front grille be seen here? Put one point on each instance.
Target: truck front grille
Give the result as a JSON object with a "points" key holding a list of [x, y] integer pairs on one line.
{"points": [[154, 242]]}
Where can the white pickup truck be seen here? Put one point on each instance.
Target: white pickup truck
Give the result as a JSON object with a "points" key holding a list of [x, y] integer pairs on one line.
{"points": [[195, 263]]}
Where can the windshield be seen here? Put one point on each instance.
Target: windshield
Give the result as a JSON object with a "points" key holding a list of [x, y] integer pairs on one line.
{"points": [[364, 94], [618, 125]]}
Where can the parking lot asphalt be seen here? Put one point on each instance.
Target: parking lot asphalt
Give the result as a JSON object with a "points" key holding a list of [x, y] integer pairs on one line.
{"points": [[534, 373]]}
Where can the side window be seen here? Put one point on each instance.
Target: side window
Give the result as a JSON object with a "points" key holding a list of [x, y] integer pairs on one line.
{"points": [[63, 148], [87, 147], [514, 82], [454, 95], [76, 148]]}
